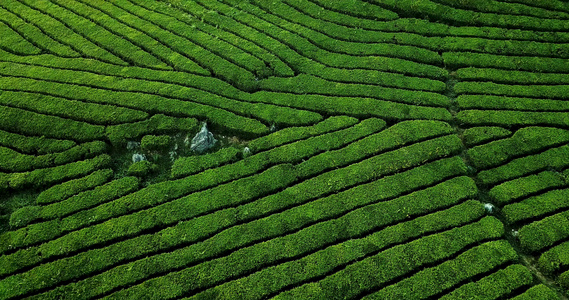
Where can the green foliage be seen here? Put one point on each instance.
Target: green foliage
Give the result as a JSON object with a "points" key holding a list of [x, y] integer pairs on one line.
{"points": [[92, 113], [545, 232], [29, 123], [434, 280], [13, 161], [288, 135], [522, 63], [155, 143], [563, 280], [536, 91], [514, 77], [69, 188], [506, 118], [189, 165], [157, 124], [478, 135], [50, 176], [536, 206], [524, 141], [374, 129], [13, 41], [554, 259], [509, 191], [491, 102], [58, 31], [498, 284], [538, 292], [399, 260], [142, 168], [33, 144], [551, 158], [24, 216]]}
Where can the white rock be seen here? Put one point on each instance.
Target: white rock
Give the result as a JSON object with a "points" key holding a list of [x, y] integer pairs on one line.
{"points": [[203, 140], [246, 151], [489, 207], [138, 157]]}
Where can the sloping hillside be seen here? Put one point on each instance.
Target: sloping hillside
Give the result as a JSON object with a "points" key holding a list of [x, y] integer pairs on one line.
{"points": [[358, 149]]}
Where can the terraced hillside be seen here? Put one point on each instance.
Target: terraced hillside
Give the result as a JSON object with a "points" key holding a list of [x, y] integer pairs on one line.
{"points": [[366, 149]]}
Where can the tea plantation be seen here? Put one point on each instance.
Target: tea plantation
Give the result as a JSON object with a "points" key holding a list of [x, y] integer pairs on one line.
{"points": [[354, 149]]}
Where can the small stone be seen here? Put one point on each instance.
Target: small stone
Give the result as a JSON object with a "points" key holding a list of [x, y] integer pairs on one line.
{"points": [[172, 155], [203, 140], [131, 145], [489, 207], [246, 151], [138, 157], [515, 233]]}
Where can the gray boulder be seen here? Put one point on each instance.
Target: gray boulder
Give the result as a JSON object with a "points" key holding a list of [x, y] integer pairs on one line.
{"points": [[203, 140], [138, 157]]}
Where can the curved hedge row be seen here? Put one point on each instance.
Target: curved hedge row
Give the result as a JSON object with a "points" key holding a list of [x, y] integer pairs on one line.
{"points": [[39, 145], [366, 149], [13, 161], [54, 29], [69, 188]]}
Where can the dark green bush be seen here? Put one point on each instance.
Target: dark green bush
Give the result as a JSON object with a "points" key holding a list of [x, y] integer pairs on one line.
{"points": [[511, 190], [478, 135], [142, 168], [155, 143], [69, 188], [496, 285]]}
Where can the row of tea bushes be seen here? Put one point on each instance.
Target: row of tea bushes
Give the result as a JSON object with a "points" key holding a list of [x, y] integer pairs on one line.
{"points": [[34, 35], [194, 164], [448, 192], [320, 185], [498, 284], [507, 8], [72, 187], [59, 32], [355, 106], [33, 124], [470, 264], [480, 135], [244, 260], [84, 200], [312, 51], [533, 105], [511, 118], [13, 42], [91, 113], [309, 84], [522, 172], [302, 149], [91, 30], [524, 141], [392, 263], [182, 96], [13, 161], [38, 145], [508, 62], [510, 76], [435, 10], [49, 176], [423, 48], [273, 279], [511, 191], [536, 91], [156, 194], [222, 55]]}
